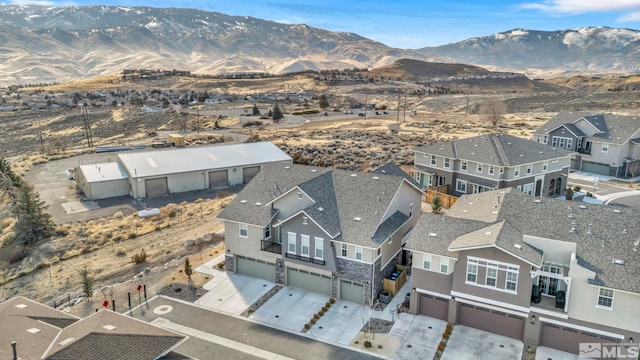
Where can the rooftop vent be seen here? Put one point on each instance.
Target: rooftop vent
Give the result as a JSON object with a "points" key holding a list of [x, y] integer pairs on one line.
{"points": [[521, 155], [357, 218], [258, 203], [582, 206], [66, 341], [464, 211], [572, 230], [321, 209], [314, 170], [287, 167], [517, 246], [110, 327], [354, 175], [243, 201], [376, 178], [618, 262], [488, 233], [617, 211], [537, 201], [384, 171], [22, 306], [34, 330], [494, 212], [432, 234]]}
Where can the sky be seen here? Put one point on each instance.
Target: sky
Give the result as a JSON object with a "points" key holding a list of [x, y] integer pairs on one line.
{"points": [[411, 24]]}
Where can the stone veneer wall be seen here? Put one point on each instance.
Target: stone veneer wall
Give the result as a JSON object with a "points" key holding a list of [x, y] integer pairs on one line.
{"points": [[356, 271], [229, 264]]}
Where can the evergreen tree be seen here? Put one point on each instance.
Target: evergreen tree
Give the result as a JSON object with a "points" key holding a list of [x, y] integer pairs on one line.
{"points": [[436, 205], [256, 111], [34, 223], [87, 282], [277, 113], [270, 114], [188, 270], [323, 102]]}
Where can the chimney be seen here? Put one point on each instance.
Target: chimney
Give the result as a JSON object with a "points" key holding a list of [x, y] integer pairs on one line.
{"points": [[15, 352]]}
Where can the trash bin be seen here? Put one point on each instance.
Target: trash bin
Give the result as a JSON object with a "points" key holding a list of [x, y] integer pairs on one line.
{"points": [[407, 297]]}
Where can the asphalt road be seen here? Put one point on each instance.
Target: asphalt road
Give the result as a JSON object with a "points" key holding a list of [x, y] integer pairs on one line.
{"points": [[241, 331]]}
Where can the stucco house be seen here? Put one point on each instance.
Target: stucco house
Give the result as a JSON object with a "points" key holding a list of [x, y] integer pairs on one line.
{"points": [[333, 232], [550, 272], [605, 144], [492, 161]]}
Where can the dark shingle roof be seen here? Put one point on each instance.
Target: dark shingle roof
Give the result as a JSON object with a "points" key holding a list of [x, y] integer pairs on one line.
{"points": [[353, 203], [116, 347], [393, 169], [615, 129], [55, 321], [389, 226], [495, 149]]}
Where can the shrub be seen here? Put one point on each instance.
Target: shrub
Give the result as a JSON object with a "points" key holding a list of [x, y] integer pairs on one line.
{"points": [[132, 235], [313, 321], [577, 188], [445, 335], [367, 344], [449, 328], [139, 258], [321, 312], [569, 194], [120, 251], [307, 326], [252, 123], [436, 204], [441, 346], [220, 265], [20, 252], [62, 230], [325, 308], [327, 304], [589, 194], [332, 300], [316, 316]]}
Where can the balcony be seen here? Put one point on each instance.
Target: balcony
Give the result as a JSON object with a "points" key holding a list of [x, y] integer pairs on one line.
{"points": [[584, 151], [271, 247], [304, 258]]}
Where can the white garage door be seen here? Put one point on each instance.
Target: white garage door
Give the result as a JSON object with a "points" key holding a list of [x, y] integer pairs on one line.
{"points": [[309, 280], [351, 291], [156, 187], [249, 173], [256, 268]]}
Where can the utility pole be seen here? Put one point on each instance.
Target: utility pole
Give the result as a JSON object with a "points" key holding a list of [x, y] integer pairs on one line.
{"points": [[366, 105], [404, 110], [87, 127], [40, 135], [198, 119], [398, 115], [466, 111]]}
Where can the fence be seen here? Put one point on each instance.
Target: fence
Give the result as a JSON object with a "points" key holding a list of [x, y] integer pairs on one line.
{"points": [[64, 299], [447, 200]]}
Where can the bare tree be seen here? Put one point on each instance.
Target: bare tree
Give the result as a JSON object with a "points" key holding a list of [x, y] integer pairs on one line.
{"points": [[494, 110]]}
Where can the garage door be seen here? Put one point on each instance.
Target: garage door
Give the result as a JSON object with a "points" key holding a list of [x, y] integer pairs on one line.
{"points": [[568, 339], [351, 291], [309, 280], [249, 173], [218, 179], [489, 320], [595, 168], [256, 268], [156, 187], [433, 306]]}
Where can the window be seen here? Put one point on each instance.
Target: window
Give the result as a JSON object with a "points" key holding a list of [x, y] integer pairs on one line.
{"points": [[444, 265], [512, 279], [528, 189], [426, 262], [479, 168], [299, 195], [492, 170], [537, 138], [516, 171], [345, 250], [305, 220], [554, 141], [545, 139], [605, 147], [554, 160], [267, 231], [501, 170], [463, 166], [433, 159], [244, 230], [411, 210], [605, 298], [545, 166], [461, 186], [472, 271], [292, 242], [358, 252], [319, 247], [447, 163], [305, 245], [569, 143], [492, 275], [529, 169]]}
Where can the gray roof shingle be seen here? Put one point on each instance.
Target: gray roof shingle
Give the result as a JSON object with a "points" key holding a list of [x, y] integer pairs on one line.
{"points": [[353, 203], [495, 149], [615, 129]]}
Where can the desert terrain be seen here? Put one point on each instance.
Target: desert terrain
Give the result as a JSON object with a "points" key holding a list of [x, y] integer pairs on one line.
{"points": [[334, 139]]}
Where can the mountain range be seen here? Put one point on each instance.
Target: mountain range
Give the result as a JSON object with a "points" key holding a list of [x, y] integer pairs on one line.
{"points": [[46, 44]]}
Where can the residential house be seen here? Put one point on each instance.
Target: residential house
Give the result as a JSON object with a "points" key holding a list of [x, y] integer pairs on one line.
{"points": [[493, 161], [550, 272], [42, 332], [333, 232], [605, 144]]}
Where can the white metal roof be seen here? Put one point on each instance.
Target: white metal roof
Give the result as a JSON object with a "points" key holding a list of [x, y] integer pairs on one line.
{"points": [[172, 161], [103, 172]]}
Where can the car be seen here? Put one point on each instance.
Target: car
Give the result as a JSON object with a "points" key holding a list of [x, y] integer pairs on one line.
{"points": [[377, 112], [326, 113], [361, 114], [385, 112]]}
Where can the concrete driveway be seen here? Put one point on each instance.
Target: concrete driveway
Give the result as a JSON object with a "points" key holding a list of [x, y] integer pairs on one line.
{"points": [[467, 343], [289, 309], [420, 336], [232, 293], [341, 323]]}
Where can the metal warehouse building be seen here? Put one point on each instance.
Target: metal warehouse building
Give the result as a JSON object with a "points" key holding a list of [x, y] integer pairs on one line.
{"points": [[101, 181], [162, 172]]}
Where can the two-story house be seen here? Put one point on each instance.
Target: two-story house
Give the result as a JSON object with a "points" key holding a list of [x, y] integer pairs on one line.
{"points": [[605, 144], [493, 161], [550, 272], [333, 232]]}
